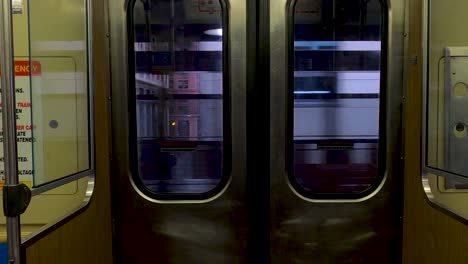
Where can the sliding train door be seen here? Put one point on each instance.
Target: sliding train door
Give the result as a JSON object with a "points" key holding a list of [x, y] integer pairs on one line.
{"points": [[256, 131], [178, 106], [336, 83]]}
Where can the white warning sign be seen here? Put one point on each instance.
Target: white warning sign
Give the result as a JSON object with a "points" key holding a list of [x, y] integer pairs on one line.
{"points": [[203, 10], [17, 6], [308, 11], [24, 126]]}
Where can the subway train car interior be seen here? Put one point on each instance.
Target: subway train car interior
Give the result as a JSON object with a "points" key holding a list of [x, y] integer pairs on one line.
{"points": [[233, 131]]}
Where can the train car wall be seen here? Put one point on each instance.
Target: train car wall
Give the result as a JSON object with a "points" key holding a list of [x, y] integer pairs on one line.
{"points": [[85, 236], [430, 235]]}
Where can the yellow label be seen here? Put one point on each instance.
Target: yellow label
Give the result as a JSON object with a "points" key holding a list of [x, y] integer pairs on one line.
{"points": [[28, 183]]}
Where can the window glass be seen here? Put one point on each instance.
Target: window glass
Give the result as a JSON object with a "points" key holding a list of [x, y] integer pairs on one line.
{"points": [[337, 93], [51, 112], [179, 95], [56, 100]]}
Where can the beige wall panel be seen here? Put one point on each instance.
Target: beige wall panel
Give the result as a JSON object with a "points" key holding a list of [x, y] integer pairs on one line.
{"points": [[430, 236], [87, 237]]}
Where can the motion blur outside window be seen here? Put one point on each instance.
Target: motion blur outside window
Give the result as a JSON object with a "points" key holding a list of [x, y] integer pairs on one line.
{"points": [[337, 92], [179, 86]]}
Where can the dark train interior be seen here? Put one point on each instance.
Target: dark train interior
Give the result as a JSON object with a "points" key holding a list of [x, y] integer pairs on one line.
{"points": [[233, 131]]}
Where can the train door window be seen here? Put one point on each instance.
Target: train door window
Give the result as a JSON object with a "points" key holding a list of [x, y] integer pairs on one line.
{"points": [[445, 118], [337, 46], [179, 107]]}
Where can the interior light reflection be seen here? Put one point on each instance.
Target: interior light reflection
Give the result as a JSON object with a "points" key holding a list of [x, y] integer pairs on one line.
{"points": [[214, 32]]}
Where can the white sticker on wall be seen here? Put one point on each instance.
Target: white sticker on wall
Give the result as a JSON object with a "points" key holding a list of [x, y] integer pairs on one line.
{"points": [[17, 6], [24, 126]]}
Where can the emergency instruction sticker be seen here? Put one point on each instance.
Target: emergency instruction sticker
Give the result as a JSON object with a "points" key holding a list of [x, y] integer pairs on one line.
{"points": [[17, 6], [24, 126]]}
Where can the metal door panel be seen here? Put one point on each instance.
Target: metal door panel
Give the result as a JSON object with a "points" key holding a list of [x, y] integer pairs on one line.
{"points": [[367, 230], [152, 231], [217, 231]]}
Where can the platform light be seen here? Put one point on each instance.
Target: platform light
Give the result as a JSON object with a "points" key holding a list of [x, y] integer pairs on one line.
{"points": [[338, 45], [214, 32], [312, 92]]}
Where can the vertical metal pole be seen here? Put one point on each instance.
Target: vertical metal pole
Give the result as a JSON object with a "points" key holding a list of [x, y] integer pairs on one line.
{"points": [[149, 53], [173, 36], [9, 121]]}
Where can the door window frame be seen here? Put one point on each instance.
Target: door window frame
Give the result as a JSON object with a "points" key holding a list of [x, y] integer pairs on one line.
{"points": [[383, 95], [132, 110]]}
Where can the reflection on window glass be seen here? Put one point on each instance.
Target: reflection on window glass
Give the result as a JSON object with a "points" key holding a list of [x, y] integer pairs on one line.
{"points": [[179, 95], [337, 58], [449, 184], [59, 94]]}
